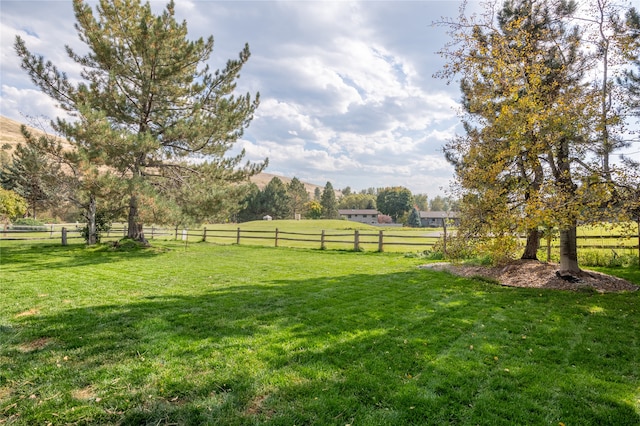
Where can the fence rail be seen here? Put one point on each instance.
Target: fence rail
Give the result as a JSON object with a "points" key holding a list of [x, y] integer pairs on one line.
{"points": [[356, 240]]}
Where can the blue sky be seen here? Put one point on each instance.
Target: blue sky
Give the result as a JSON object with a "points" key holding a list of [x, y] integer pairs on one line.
{"points": [[347, 93]]}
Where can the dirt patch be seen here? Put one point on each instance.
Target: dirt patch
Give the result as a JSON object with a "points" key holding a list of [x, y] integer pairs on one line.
{"points": [[34, 345], [30, 312], [84, 394], [535, 274], [255, 407]]}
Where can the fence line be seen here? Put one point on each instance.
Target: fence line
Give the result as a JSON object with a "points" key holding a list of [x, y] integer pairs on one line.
{"points": [[356, 239]]}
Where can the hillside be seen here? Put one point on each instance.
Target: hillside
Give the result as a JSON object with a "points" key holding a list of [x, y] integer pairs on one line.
{"points": [[10, 136], [10, 133]]}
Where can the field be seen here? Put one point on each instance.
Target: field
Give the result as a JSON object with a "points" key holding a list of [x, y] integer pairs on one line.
{"points": [[200, 333]]}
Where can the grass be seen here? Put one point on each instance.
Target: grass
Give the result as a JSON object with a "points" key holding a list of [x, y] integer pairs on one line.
{"points": [[239, 335]]}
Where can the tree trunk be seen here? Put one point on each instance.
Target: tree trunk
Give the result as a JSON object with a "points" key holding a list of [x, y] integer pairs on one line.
{"points": [[533, 244], [91, 219], [569, 251], [135, 230]]}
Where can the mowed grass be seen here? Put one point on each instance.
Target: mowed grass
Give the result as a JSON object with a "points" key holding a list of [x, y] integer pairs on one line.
{"points": [[239, 335]]}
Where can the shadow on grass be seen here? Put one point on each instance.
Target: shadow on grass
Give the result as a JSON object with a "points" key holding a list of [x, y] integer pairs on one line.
{"points": [[416, 347], [37, 256]]}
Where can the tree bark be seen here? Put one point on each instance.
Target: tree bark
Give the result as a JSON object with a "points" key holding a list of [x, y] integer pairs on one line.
{"points": [[91, 219], [533, 244], [134, 230], [569, 251]]}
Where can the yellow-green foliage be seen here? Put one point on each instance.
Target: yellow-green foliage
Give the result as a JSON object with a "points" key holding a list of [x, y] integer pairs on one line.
{"points": [[12, 205]]}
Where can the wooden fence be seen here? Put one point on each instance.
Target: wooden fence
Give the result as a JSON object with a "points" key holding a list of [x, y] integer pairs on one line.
{"points": [[356, 240]]}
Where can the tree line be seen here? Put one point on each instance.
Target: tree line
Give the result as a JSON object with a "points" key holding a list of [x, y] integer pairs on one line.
{"points": [[290, 201]]}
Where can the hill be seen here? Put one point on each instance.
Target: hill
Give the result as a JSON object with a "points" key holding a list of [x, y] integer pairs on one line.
{"points": [[10, 137]]}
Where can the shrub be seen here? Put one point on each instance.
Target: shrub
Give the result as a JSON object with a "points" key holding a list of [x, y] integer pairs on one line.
{"points": [[499, 250], [103, 224], [606, 258], [27, 221], [28, 224]]}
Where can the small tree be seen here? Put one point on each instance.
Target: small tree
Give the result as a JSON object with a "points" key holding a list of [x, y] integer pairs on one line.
{"points": [[12, 205], [314, 209], [31, 175], [414, 218], [298, 197], [329, 202]]}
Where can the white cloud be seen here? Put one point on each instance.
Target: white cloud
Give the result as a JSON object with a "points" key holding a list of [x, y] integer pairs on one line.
{"points": [[346, 89]]}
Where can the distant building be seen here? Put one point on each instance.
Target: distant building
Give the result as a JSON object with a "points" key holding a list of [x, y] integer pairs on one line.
{"points": [[368, 216], [435, 219]]}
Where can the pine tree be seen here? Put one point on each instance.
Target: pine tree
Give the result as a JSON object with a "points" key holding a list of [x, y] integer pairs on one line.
{"points": [[156, 100], [275, 199], [32, 176], [329, 203], [414, 218], [251, 207]]}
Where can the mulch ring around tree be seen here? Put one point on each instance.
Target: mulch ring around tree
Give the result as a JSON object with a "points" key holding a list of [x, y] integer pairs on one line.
{"points": [[536, 274]]}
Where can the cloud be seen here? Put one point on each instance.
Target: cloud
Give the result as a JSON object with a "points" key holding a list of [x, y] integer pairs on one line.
{"points": [[346, 89]]}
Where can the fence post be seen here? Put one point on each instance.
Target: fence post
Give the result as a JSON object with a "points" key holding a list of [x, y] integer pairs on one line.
{"points": [[51, 234], [64, 236], [322, 246], [125, 231], [276, 237], [380, 241], [152, 231], [185, 234], [356, 240], [204, 234], [238, 237]]}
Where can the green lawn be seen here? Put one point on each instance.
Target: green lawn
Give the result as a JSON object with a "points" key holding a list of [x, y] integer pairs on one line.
{"points": [[240, 335]]}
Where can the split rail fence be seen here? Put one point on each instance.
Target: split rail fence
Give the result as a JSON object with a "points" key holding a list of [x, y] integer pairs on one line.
{"points": [[357, 240]]}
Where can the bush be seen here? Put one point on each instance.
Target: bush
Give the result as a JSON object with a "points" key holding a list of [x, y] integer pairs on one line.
{"points": [[499, 250], [458, 248], [28, 224], [27, 221], [103, 224], [606, 258]]}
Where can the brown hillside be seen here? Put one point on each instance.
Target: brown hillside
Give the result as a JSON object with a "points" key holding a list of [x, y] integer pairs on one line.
{"points": [[10, 133], [263, 179]]}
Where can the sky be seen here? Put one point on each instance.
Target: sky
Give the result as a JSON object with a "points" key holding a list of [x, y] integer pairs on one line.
{"points": [[346, 87]]}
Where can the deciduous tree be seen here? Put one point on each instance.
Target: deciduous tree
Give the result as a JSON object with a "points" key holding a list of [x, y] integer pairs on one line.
{"points": [[298, 197], [394, 201], [12, 205], [524, 160]]}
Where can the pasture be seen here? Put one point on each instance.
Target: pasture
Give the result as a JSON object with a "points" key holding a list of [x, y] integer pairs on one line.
{"points": [[201, 333]]}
